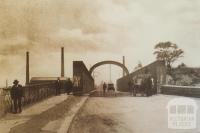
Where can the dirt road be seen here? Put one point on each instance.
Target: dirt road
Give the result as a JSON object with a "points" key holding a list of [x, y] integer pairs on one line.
{"points": [[126, 115]]}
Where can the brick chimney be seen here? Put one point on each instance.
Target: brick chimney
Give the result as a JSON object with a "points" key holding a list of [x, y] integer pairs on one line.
{"points": [[62, 63], [27, 68]]}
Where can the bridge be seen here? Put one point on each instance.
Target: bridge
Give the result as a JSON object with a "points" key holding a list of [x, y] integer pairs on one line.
{"points": [[85, 110]]}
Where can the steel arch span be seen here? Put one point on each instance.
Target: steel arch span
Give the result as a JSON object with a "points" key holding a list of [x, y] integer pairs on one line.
{"points": [[109, 62]]}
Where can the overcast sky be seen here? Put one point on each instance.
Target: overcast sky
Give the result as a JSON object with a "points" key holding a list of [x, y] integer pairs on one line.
{"points": [[92, 31]]}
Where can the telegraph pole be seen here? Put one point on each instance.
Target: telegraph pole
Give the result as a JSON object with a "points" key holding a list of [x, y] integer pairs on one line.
{"points": [[6, 83], [110, 74], [124, 65]]}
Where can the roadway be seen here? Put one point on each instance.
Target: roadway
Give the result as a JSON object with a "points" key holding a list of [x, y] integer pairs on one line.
{"points": [[125, 114], [95, 114]]}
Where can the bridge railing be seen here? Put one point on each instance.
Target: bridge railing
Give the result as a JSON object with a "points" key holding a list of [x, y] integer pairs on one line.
{"points": [[32, 94]]}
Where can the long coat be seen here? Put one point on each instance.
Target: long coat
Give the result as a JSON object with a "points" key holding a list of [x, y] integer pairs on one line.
{"points": [[16, 91]]}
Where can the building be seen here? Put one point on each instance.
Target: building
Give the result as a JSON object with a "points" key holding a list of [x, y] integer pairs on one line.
{"points": [[157, 70]]}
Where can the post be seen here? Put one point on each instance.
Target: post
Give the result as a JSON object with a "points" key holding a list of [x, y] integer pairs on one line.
{"points": [[124, 65], [6, 84], [62, 62], [27, 68], [110, 74]]}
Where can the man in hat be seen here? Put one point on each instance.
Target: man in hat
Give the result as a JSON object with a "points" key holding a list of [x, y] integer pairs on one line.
{"points": [[58, 86], [131, 87], [16, 95], [104, 88], [69, 86]]}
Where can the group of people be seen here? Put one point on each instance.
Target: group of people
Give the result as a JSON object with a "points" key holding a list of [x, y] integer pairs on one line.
{"points": [[108, 87], [141, 85], [67, 85]]}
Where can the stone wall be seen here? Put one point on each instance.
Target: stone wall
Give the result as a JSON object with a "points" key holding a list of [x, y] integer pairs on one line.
{"points": [[83, 81], [156, 69]]}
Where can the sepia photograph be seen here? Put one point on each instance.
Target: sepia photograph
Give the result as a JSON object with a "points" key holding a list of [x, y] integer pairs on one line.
{"points": [[99, 66]]}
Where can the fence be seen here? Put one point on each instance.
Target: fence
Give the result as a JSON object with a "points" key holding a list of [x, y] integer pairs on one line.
{"points": [[32, 94], [190, 91]]}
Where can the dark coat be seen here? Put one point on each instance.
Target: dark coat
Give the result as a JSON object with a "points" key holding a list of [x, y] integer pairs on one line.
{"points": [[104, 86], [16, 92], [58, 84], [69, 85]]}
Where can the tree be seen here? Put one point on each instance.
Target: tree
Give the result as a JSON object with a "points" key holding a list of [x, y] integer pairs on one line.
{"points": [[168, 52]]}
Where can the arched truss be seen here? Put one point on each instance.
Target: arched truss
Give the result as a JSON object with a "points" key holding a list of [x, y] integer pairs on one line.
{"points": [[109, 62]]}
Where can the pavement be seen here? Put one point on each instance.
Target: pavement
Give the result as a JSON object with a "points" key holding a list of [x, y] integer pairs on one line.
{"points": [[51, 115]]}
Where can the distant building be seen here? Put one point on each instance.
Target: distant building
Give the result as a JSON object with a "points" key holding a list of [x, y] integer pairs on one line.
{"points": [[157, 70], [39, 80]]}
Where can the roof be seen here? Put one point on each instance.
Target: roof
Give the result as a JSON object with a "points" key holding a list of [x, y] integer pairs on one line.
{"points": [[47, 78]]}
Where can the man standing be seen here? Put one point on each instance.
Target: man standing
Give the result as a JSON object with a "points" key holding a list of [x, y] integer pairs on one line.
{"points": [[69, 86], [58, 87], [16, 95], [131, 87], [104, 88], [149, 86]]}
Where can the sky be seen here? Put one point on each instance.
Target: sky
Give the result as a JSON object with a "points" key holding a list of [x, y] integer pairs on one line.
{"points": [[93, 31]]}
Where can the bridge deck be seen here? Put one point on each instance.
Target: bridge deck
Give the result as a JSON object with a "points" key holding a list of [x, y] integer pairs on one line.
{"points": [[114, 114], [126, 115]]}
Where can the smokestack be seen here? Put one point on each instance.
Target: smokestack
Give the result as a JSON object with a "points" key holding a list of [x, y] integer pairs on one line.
{"points": [[62, 62], [27, 68], [124, 65], [6, 83]]}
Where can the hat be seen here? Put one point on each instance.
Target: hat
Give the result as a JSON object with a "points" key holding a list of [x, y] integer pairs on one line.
{"points": [[16, 81]]}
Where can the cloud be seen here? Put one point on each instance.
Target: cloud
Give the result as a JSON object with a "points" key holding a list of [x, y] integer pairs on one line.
{"points": [[111, 27], [74, 24]]}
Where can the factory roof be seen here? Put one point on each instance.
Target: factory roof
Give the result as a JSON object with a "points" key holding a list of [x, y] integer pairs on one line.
{"points": [[48, 78]]}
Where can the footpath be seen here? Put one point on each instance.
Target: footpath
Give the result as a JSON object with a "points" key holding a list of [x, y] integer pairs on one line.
{"points": [[52, 115]]}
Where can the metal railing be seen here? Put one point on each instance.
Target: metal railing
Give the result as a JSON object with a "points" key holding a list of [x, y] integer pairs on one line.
{"points": [[32, 93]]}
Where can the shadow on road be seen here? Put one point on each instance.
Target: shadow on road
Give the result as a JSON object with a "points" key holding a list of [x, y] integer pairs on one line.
{"points": [[110, 94]]}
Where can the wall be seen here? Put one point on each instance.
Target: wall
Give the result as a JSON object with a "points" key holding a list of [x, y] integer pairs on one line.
{"points": [[156, 69], [83, 81], [42, 80], [190, 91]]}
